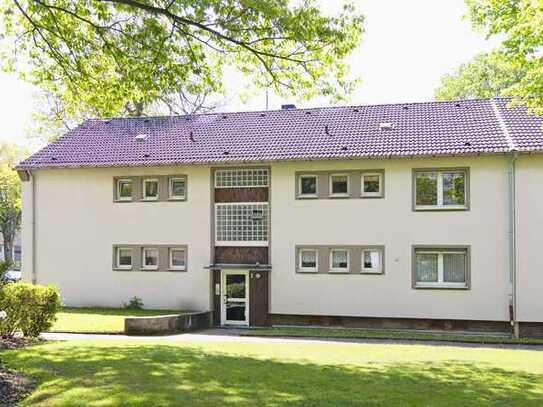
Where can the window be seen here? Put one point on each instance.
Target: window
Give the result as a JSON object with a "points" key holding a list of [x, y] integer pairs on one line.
{"points": [[339, 261], [124, 258], [372, 260], [307, 186], [177, 258], [150, 258], [150, 189], [308, 260], [241, 178], [176, 188], [372, 185], [446, 268], [124, 189], [339, 185], [440, 189], [241, 224]]}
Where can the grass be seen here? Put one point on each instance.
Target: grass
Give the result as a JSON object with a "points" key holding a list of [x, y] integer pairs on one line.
{"points": [[387, 334], [161, 373], [99, 320]]}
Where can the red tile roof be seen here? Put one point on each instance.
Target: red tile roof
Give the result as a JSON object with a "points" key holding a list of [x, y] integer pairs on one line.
{"points": [[419, 129]]}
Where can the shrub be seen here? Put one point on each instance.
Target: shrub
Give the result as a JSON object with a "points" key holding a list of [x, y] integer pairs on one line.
{"points": [[30, 308], [134, 303]]}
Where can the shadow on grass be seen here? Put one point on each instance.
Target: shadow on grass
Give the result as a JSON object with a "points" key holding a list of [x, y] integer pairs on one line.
{"points": [[157, 375]]}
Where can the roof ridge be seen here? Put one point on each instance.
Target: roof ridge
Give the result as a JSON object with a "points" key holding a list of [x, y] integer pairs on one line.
{"points": [[503, 126]]}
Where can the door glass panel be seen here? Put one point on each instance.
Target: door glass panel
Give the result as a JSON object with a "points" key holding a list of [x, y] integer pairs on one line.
{"points": [[235, 286], [235, 311]]}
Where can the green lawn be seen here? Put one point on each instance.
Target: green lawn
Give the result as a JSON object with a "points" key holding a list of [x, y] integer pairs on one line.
{"points": [[99, 320], [386, 334], [113, 373]]}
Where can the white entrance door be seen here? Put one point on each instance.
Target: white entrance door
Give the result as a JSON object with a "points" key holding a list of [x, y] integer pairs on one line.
{"points": [[235, 297]]}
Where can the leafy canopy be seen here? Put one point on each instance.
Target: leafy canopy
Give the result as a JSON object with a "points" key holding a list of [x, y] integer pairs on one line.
{"points": [[487, 75], [520, 24], [112, 56]]}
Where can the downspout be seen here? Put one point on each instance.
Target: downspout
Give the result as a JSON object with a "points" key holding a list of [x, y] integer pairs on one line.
{"points": [[511, 218], [34, 277], [511, 211]]}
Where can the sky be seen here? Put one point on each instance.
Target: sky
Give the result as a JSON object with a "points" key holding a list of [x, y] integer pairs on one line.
{"points": [[408, 46]]}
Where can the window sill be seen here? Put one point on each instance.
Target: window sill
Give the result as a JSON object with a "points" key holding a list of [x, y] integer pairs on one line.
{"points": [[177, 199], [149, 199], [124, 200], [440, 208], [371, 272], [123, 269], [339, 196], [369, 196], [313, 196], [440, 287], [308, 271], [173, 269], [332, 271]]}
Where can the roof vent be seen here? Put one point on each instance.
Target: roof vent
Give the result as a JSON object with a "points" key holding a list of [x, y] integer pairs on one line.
{"points": [[386, 126], [288, 106], [140, 138]]}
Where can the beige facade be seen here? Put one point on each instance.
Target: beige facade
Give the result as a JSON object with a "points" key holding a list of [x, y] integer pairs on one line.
{"points": [[77, 223]]}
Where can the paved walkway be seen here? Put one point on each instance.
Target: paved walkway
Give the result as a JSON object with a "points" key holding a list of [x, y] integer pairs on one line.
{"points": [[233, 335]]}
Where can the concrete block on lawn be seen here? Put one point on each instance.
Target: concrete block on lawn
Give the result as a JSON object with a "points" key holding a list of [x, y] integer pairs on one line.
{"points": [[167, 324]]}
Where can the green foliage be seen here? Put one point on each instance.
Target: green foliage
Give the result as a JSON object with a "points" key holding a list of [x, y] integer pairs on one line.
{"points": [[520, 24], [488, 75], [10, 206], [135, 303], [115, 57], [4, 267], [30, 308]]}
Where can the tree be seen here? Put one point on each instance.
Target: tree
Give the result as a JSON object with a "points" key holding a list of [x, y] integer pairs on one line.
{"points": [[519, 23], [10, 208], [488, 75], [109, 57]]}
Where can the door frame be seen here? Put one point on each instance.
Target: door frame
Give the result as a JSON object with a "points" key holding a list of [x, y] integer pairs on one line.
{"points": [[223, 299]]}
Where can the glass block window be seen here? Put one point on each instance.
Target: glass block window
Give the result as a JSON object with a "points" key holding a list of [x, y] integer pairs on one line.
{"points": [[441, 268], [241, 178], [241, 224]]}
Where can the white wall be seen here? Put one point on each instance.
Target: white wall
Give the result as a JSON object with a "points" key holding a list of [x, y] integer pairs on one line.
{"points": [[77, 224], [392, 223], [529, 225]]}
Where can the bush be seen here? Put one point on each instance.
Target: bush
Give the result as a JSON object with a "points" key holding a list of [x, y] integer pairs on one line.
{"points": [[134, 303], [30, 308]]}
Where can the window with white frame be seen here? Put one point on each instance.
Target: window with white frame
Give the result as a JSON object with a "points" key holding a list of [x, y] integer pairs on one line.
{"points": [[440, 268], [440, 189], [241, 224], [177, 258], [339, 260], [124, 189], [150, 189], [372, 260], [241, 178], [339, 185], [372, 185], [176, 188], [308, 260], [124, 258], [307, 186], [150, 258]]}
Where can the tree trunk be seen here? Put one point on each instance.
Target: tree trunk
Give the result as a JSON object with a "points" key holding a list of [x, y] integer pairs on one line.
{"points": [[8, 248]]}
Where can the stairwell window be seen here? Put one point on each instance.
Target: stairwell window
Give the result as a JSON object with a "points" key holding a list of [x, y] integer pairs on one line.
{"points": [[124, 258], [441, 268], [124, 189], [339, 185], [441, 189], [150, 258], [150, 189], [339, 260], [308, 260]]}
